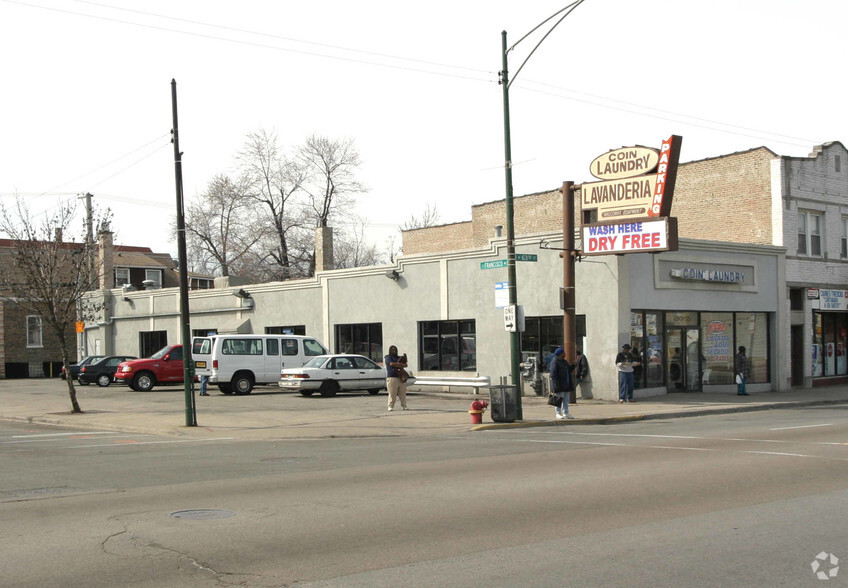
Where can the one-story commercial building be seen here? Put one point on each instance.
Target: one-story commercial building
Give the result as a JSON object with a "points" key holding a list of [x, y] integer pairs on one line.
{"points": [[740, 276]]}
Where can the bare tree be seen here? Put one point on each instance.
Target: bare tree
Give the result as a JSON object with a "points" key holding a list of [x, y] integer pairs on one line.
{"points": [[49, 277], [274, 180], [350, 249], [428, 218], [220, 231], [332, 166]]}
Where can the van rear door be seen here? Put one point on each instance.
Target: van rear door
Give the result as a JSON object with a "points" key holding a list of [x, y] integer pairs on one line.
{"points": [[201, 355]]}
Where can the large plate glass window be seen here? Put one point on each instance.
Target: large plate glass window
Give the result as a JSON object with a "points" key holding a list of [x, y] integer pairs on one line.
{"points": [[447, 345], [363, 339]]}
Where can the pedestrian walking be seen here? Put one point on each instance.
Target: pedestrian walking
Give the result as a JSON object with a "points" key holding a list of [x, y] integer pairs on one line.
{"points": [[581, 374], [395, 384], [624, 363], [204, 383], [743, 370], [562, 382]]}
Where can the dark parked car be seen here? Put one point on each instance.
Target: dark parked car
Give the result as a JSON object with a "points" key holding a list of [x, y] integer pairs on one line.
{"points": [[74, 368], [103, 370]]}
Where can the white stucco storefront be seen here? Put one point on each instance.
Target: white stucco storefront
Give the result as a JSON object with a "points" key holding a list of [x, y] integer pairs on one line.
{"points": [[442, 310]]}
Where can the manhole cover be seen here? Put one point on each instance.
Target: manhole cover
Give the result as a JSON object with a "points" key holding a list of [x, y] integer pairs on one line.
{"points": [[201, 514]]}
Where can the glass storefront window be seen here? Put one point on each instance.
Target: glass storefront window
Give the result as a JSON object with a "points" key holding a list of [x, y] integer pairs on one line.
{"points": [[683, 319], [652, 358], [752, 332], [448, 345], [830, 344], [718, 352]]}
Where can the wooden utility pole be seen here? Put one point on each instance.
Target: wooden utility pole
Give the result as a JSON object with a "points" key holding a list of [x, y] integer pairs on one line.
{"points": [[569, 325], [185, 331]]}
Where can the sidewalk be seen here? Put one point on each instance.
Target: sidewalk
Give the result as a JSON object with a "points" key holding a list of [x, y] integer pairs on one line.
{"points": [[271, 414]]}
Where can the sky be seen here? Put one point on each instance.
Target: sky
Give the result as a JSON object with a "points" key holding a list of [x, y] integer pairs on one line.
{"points": [[85, 104]]}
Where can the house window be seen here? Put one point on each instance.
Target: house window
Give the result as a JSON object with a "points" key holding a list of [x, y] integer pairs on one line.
{"points": [[365, 339], [447, 346], [809, 234], [33, 323], [122, 276], [843, 250], [154, 276]]}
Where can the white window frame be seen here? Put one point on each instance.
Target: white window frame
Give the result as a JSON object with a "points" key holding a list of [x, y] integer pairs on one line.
{"points": [[155, 276], [808, 240], [120, 280], [34, 331], [843, 249]]}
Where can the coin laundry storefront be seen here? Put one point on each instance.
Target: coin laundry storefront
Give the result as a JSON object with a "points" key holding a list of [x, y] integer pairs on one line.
{"points": [[693, 308]]}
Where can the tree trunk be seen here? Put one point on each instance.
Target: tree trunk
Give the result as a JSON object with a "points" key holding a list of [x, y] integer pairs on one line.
{"points": [[72, 391]]}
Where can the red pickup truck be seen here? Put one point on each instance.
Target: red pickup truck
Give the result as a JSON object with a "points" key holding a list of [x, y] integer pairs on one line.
{"points": [[163, 367]]}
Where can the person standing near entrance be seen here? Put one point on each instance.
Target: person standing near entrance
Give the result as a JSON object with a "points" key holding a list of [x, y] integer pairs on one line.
{"points": [[561, 382], [581, 374], [743, 370], [395, 365], [624, 363]]}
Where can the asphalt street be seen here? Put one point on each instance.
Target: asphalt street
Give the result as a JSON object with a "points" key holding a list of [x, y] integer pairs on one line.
{"points": [[732, 499]]}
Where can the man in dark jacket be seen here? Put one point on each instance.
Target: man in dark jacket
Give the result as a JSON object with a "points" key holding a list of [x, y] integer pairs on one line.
{"points": [[561, 382]]}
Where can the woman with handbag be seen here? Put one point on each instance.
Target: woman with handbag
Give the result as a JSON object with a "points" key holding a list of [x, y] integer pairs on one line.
{"points": [[561, 383]]}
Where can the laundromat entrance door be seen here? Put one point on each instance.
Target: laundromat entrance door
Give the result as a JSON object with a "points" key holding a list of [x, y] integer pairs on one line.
{"points": [[683, 368]]}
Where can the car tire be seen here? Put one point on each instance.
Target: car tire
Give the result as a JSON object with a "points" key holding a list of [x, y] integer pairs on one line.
{"points": [[82, 382], [242, 384], [144, 381], [307, 392], [329, 389], [374, 392], [104, 380], [225, 388]]}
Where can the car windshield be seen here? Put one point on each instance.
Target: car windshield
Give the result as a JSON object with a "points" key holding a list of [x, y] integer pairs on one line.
{"points": [[316, 362], [161, 353]]}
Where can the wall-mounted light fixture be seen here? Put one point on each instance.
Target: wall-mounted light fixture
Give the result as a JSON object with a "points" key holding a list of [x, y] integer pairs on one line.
{"points": [[127, 299], [393, 275], [242, 293]]}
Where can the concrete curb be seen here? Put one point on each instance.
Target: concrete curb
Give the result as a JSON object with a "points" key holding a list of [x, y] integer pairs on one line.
{"points": [[655, 416]]}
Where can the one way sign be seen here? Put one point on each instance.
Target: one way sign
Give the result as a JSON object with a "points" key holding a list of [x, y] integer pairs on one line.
{"points": [[513, 318]]}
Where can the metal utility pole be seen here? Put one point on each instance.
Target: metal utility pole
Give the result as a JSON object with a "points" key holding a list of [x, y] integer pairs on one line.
{"points": [[185, 331], [515, 337]]}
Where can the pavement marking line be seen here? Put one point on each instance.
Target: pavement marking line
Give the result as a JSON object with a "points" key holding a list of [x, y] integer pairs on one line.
{"points": [[53, 440], [136, 444], [802, 427], [65, 434], [617, 445], [784, 454]]}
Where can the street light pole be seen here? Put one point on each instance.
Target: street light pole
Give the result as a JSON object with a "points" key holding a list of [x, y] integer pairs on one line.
{"points": [[514, 336], [514, 341]]}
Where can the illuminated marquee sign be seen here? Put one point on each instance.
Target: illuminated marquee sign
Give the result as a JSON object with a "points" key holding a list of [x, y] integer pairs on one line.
{"points": [[637, 182], [633, 237]]}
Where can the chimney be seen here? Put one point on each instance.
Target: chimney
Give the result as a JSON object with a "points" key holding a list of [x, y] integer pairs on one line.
{"points": [[105, 259], [323, 249]]}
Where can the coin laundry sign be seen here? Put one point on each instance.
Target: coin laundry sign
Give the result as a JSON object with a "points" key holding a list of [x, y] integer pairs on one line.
{"points": [[637, 184]]}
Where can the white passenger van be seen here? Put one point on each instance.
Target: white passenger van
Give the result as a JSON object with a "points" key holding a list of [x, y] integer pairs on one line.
{"points": [[237, 363]]}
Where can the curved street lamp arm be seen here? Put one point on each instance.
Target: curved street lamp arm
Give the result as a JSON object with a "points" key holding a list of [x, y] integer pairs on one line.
{"points": [[570, 8]]}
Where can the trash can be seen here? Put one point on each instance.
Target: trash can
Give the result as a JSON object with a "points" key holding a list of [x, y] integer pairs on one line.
{"points": [[503, 400]]}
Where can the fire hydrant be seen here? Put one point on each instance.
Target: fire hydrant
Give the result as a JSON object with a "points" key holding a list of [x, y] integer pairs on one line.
{"points": [[476, 412]]}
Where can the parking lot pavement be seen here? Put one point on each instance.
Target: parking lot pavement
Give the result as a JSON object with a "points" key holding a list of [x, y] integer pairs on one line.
{"points": [[269, 413]]}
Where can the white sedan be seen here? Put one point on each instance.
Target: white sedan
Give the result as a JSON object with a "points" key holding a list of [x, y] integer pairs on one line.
{"points": [[330, 374]]}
